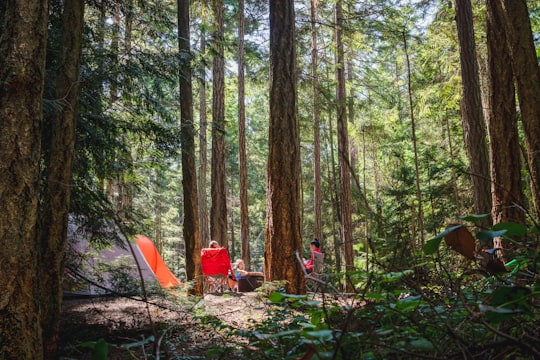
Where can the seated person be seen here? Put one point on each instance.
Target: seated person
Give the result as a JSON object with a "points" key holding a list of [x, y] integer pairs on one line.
{"points": [[315, 248], [214, 244], [239, 271]]}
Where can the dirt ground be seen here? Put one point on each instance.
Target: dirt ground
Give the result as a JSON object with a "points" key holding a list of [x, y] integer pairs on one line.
{"points": [[184, 326]]}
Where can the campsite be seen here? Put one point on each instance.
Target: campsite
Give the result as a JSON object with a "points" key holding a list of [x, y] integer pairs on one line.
{"points": [[269, 179], [122, 322]]}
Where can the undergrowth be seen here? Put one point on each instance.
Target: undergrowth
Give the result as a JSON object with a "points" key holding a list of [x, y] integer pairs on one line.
{"points": [[443, 307]]}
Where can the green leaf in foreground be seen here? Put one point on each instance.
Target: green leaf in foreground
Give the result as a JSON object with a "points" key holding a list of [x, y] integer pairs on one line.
{"points": [[433, 244]]}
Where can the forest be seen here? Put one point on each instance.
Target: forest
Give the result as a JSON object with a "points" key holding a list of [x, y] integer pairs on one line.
{"points": [[404, 135]]}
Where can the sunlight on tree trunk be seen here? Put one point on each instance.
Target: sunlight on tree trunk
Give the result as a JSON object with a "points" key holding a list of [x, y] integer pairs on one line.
{"points": [[473, 124], [244, 214], [189, 173], [317, 200], [343, 151], [517, 25], [203, 148], [283, 235], [502, 126], [218, 210]]}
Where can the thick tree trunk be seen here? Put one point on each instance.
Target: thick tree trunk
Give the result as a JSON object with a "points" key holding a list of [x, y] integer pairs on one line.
{"points": [[472, 118], [189, 173], [283, 235], [343, 151], [517, 27], [502, 125], [218, 210], [244, 214], [57, 191], [22, 72]]}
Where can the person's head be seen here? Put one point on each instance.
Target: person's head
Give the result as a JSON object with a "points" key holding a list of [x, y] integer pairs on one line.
{"points": [[239, 264], [315, 244], [213, 244]]}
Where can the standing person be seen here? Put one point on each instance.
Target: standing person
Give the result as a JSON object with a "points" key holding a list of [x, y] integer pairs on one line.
{"points": [[315, 248]]}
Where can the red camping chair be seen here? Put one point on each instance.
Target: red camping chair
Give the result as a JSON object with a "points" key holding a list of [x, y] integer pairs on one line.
{"points": [[216, 267]]}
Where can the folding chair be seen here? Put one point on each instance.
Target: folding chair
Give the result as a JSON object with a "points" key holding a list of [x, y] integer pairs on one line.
{"points": [[317, 272], [315, 278], [216, 267]]}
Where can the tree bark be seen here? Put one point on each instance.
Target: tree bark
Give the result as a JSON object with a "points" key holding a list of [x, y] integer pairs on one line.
{"points": [[57, 191], [472, 117], [317, 199], [203, 160], [189, 174], [244, 214], [23, 43], [415, 150], [283, 235], [218, 210], [343, 150], [517, 27], [336, 211], [502, 125]]}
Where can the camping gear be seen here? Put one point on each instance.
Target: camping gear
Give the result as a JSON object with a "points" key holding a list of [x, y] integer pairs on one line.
{"points": [[114, 269], [216, 267], [155, 261], [250, 282]]}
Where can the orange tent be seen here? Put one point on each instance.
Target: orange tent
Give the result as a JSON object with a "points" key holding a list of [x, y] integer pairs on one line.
{"points": [[165, 277]]}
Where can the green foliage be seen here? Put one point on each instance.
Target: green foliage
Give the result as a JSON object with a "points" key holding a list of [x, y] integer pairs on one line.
{"points": [[426, 311], [100, 348], [432, 245], [128, 139]]}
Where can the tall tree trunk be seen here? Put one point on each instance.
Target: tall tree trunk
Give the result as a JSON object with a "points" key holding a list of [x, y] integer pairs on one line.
{"points": [[415, 149], [343, 150], [23, 42], [158, 213], [378, 202], [57, 175], [283, 235], [502, 125], [189, 174], [125, 185], [448, 134], [218, 210], [114, 180], [356, 206], [472, 117], [317, 199], [335, 200], [203, 160], [517, 27], [244, 214], [366, 204]]}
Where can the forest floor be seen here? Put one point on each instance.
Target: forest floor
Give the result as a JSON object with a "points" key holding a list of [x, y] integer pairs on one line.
{"points": [[184, 328]]}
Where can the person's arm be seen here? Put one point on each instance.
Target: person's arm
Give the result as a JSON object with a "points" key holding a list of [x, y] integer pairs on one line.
{"points": [[242, 272], [309, 264]]}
